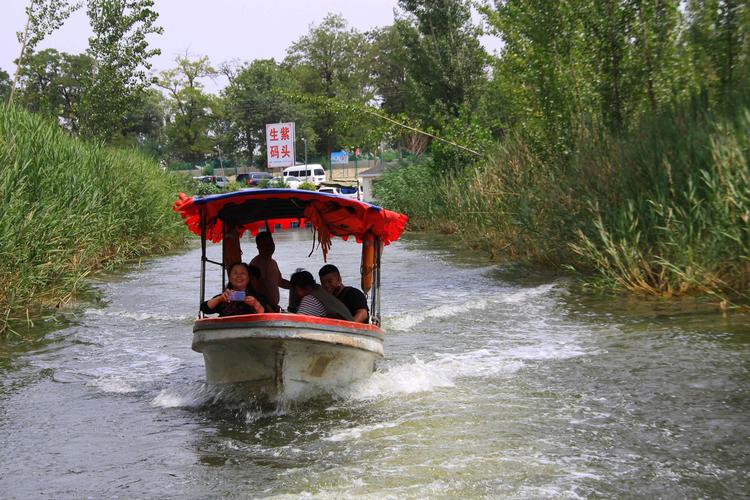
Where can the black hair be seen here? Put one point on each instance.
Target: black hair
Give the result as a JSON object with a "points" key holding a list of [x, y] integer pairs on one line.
{"points": [[328, 269], [263, 235], [231, 266], [302, 279]]}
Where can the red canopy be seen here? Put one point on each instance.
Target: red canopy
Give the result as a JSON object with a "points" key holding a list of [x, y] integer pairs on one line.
{"points": [[252, 209]]}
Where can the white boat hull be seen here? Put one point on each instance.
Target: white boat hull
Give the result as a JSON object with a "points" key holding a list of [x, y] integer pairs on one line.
{"points": [[287, 355]]}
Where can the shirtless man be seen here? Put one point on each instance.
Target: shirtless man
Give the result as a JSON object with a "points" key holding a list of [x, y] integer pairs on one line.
{"points": [[270, 276]]}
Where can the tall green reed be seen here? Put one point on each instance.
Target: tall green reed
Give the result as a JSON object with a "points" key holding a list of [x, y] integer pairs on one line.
{"points": [[663, 209], [71, 207]]}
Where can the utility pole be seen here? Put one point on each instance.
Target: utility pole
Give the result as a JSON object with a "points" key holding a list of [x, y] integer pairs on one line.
{"points": [[221, 163]]}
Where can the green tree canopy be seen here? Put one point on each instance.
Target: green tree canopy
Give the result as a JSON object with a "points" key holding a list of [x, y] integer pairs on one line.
{"points": [[257, 95], [444, 56], [122, 54], [187, 131], [330, 62]]}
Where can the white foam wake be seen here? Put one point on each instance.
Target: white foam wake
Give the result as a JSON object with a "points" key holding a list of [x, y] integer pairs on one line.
{"points": [[139, 316], [409, 320], [357, 432], [420, 376], [184, 397]]}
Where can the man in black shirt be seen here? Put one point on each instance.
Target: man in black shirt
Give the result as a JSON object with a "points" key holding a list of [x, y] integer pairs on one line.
{"points": [[355, 301]]}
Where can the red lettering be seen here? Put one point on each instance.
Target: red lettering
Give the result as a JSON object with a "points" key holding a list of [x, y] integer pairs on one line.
{"points": [[285, 153], [284, 133], [274, 134], [274, 151]]}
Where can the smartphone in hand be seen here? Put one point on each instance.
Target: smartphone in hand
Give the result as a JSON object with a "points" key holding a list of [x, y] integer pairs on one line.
{"points": [[237, 296]]}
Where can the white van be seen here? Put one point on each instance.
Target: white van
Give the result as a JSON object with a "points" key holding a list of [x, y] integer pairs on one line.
{"points": [[311, 172]]}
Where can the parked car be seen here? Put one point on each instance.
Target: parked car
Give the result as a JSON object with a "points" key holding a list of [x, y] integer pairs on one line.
{"points": [[253, 178], [313, 173]]}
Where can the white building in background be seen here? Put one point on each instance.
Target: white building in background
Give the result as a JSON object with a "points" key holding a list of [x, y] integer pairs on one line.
{"points": [[367, 179]]}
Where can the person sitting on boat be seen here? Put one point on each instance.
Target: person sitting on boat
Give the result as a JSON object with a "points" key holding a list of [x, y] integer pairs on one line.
{"points": [[270, 275], [314, 300], [238, 297], [353, 299]]}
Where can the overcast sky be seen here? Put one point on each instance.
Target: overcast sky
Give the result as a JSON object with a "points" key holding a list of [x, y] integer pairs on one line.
{"points": [[223, 30]]}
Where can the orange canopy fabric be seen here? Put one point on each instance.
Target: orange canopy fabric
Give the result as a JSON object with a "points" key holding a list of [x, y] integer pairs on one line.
{"points": [[253, 209]]}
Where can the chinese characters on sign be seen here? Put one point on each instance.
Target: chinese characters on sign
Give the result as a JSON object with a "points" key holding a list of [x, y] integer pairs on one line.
{"points": [[280, 144]]}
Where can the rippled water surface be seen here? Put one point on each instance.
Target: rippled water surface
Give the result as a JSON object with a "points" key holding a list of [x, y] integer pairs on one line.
{"points": [[496, 383]]}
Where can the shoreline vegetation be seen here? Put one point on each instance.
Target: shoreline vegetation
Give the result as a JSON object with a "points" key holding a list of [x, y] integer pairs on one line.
{"points": [[72, 207], [661, 210], [608, 138]]}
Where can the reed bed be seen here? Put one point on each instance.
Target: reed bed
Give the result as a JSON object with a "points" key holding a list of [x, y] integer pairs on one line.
{"points": [[663, 209], [70, 208]]}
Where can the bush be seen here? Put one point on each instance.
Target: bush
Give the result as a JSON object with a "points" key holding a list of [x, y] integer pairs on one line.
{"points": [[72, 207]]}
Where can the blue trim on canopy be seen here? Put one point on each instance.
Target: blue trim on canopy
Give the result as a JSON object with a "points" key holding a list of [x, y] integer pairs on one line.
{"points": [[252, 193]]}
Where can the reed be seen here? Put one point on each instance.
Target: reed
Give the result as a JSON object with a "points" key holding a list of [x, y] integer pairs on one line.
{"points": [[70, 208], [663, 209]]}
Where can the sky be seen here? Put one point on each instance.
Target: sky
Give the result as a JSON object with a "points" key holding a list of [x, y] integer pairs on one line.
{"points": [[223, 30]]}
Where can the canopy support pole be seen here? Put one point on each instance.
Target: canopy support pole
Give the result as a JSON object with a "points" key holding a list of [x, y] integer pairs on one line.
{"points": [[375, 307], [203, 255]]}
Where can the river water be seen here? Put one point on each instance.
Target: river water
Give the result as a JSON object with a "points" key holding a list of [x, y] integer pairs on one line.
{"points": [[497, 382]]}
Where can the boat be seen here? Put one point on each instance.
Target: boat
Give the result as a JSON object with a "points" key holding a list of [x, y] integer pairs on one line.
{"points": [[285, 355]]}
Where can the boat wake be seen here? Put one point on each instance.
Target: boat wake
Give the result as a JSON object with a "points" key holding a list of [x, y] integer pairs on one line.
{"points": [[140, 315], [424, 376], [409, 320]]}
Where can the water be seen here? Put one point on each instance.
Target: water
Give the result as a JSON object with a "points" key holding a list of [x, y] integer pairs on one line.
{"points": [[496, 383]]}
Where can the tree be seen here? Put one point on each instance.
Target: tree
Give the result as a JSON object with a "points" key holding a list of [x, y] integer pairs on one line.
{"points": [[42, 18], [122, 55], [143, 125], [444, 56], [329, 62], [719, 38], [188, 129], [4, 85], [52, 83], [257, 95]]}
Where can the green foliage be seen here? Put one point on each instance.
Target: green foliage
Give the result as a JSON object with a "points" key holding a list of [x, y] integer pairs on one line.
{"points": [[277, 182], [187, 132], [410, 188], [328, 63], [388, 60], [444, 58], [4, 86], [42, 18], [663, 210], [256, 96], [688, 228], [466, 131], [121, 51], [235, 186], [308, 186], [70, 208], [205, 188], [53, 83]]}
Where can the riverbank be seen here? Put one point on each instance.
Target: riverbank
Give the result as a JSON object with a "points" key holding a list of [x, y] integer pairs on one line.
{"points": [[663, 209], [70, 208]]}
